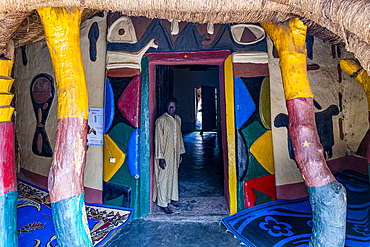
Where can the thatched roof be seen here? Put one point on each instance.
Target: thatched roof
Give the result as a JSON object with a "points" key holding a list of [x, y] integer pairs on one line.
{"points": [[344, 22]]}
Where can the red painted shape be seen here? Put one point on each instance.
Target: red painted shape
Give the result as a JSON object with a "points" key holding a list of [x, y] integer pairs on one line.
{"points": [[313, 67], [123, 72], [291, 191], [7, 158], [250, 69], [91, 195], [308, 150], [191, 57], [264, 184], [129, 103], [66, 176]]}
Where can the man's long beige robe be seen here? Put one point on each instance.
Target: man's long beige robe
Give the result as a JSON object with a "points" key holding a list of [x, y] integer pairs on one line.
{"points": [[168, 145]]}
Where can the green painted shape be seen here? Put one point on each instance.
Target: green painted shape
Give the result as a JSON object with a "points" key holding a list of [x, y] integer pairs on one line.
{"points": [[250, 134], [261, 197], [123, 177], [120, 134], [254, 169], [144, 180], [240, 192], [265, 103]]}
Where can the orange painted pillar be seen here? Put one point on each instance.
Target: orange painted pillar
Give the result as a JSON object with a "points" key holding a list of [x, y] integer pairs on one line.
{"points": [[327, 195], [66, 177]]}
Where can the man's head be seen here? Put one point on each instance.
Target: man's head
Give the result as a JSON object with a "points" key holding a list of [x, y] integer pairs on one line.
{"points": [[171, 106]]}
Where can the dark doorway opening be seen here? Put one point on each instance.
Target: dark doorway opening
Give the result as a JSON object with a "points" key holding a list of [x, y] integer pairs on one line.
{"points": [[201, 175]]}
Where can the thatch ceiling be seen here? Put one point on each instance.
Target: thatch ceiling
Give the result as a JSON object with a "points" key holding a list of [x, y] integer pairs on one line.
{"points": [[344, 22]]}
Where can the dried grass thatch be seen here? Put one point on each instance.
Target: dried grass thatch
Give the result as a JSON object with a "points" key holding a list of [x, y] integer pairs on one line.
{"points": [[336, 21]]}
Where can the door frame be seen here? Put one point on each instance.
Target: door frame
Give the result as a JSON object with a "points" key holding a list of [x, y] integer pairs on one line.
{"points": [[221, 58]]}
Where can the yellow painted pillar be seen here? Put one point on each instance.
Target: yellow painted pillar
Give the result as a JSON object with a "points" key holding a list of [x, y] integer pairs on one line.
{"points": [[230, 133], [62, 33], [329, 218]]}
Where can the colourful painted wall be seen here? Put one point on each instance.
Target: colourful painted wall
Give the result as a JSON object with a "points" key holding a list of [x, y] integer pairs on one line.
{"points": [[256, 127], [34, 60], [339, 101]]}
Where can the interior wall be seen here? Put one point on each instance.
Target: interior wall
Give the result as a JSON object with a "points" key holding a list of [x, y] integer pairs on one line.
{"points": [[183, 90], [326, 85], [95, 79], [39, 61]]}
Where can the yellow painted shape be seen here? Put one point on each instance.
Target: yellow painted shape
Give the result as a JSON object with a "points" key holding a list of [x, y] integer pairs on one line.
{"points": [[265, 104], [230, 133], [62, 33], [6, 113], [109, 169], [262, 150], [5, 84], [289, 39], [351, 67], [6, 99], [306, 144], [6, 66]]}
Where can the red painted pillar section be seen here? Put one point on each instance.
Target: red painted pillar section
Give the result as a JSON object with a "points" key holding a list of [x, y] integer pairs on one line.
{"points": [[308, 150], [8, 185]]}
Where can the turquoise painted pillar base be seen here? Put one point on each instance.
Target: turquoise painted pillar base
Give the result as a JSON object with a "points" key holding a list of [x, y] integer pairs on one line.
{"points": [[329, 211], [8, 219], [70, 222]]}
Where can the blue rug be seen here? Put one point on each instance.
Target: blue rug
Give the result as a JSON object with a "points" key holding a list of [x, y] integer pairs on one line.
{"points": [[289, 222], [35, 223]]}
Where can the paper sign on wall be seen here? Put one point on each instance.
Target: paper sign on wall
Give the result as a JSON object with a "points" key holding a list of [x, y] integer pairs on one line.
{"points": [[95, 126]]}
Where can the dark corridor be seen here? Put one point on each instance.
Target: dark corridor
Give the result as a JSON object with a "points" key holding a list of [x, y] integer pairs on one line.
{"points": [[201, 176], [201, 173]]}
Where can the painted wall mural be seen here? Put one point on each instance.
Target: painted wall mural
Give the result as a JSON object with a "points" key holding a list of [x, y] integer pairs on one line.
{"points": [[121, 141], [324, 124], [42, 96], [128, 40], [256, 179]]}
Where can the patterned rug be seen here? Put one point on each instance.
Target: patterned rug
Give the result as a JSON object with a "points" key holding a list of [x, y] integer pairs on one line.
{"points": [[289, 222], [35, 223]]}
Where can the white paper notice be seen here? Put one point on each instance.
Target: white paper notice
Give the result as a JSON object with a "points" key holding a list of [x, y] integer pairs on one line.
{"points": [[95, 129]]}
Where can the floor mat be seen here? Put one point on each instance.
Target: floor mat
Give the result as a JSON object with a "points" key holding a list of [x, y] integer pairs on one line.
{"points": [[289, 222], [35, 223]]}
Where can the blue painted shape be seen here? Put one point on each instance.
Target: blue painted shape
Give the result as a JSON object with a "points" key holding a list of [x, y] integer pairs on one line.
{"points": [[108, 105], [133, 153], [8, 219], [244, 105], [70, 222]]}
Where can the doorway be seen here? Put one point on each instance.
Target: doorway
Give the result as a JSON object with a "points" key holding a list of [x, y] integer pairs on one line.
{"points": [[221, 59], [205, 99]]}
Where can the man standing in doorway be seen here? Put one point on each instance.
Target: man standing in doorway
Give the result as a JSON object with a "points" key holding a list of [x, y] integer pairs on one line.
{"points": [[169, 147]]}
